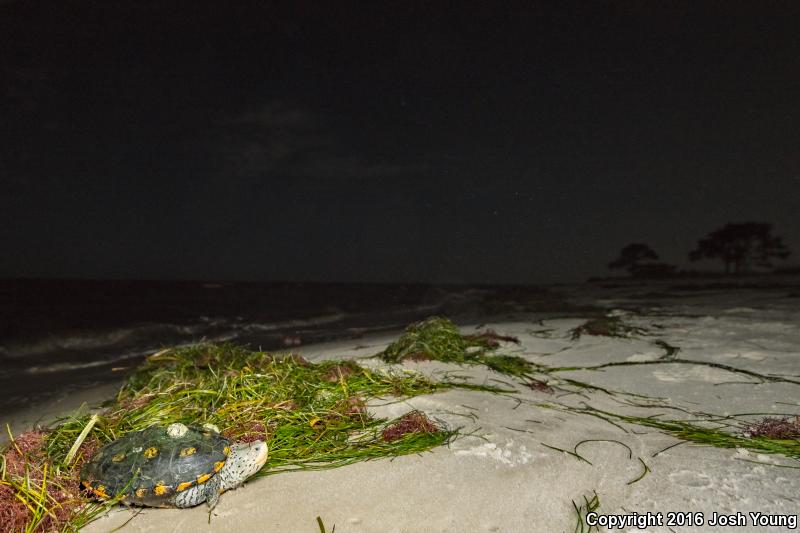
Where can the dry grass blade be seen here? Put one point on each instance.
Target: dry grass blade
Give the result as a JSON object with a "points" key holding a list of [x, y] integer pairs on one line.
{"points": [[72, 451]]}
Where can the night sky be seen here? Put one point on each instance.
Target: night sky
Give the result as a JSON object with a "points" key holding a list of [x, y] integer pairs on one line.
{"points": [[388, 142]]}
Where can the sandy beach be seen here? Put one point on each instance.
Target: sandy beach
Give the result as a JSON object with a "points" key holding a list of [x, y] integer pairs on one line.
{"points": [[531, 460], [522, 268]]}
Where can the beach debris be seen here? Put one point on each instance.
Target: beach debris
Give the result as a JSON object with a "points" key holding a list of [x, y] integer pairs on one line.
{"points": [[607, 326], [35, 496], [295, 359], [412, 422], [774, 428], [177, 466], [492, 339], [418, 357], [340, 371], [437, 338], [27, 445], [352, 406], [136, 402], [539, 385], [159, 354], [247, 432], [292, 340]]}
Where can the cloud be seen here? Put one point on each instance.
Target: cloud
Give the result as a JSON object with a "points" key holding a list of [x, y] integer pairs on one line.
{"points": [[280, 140]]}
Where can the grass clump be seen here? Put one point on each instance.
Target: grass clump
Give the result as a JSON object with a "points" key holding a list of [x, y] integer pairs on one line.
{"points": [[435, 338], [438, 339], [312, 415]]}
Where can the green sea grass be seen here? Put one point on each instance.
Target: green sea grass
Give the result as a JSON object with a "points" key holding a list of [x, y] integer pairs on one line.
{"points": [[438, 339], [312, 415]]}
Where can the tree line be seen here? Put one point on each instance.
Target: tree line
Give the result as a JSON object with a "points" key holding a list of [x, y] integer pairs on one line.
{"points": [[739, 246]]}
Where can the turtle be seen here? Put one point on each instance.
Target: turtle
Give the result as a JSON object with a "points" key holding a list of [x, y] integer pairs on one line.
{"points": [[174, 466]]}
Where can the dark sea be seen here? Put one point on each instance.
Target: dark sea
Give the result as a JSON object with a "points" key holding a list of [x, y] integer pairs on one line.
{"points": [[61, 336]]}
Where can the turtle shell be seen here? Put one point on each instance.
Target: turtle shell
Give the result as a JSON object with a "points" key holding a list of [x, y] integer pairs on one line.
{"points": [[150, 466]]}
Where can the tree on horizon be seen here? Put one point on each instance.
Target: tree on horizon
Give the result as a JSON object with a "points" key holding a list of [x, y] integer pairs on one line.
{"points": [[741, 246], [632, 256]]}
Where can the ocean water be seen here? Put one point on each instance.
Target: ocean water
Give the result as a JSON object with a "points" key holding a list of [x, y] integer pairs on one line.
{"points": [[61, 336]]}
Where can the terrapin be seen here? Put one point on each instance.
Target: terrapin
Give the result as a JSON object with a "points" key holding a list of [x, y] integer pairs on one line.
{"points": [[176, 466]]}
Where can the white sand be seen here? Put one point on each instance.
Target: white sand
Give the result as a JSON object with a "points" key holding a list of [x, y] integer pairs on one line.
{"points": [[502, 477]]}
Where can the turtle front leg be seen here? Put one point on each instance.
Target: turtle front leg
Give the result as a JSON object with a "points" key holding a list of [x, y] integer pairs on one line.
{"points": [[212, 489], [206, 492], [190, 497]]}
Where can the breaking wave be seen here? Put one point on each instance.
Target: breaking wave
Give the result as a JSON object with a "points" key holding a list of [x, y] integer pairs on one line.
{"points": [[135, 340]]}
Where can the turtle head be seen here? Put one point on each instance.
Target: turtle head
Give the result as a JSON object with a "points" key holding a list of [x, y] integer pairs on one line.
{"points": [[244, 460], [255, 454]]}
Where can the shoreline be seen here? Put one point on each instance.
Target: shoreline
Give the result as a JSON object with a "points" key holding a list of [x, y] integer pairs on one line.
{"points": [[58, 338]]}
